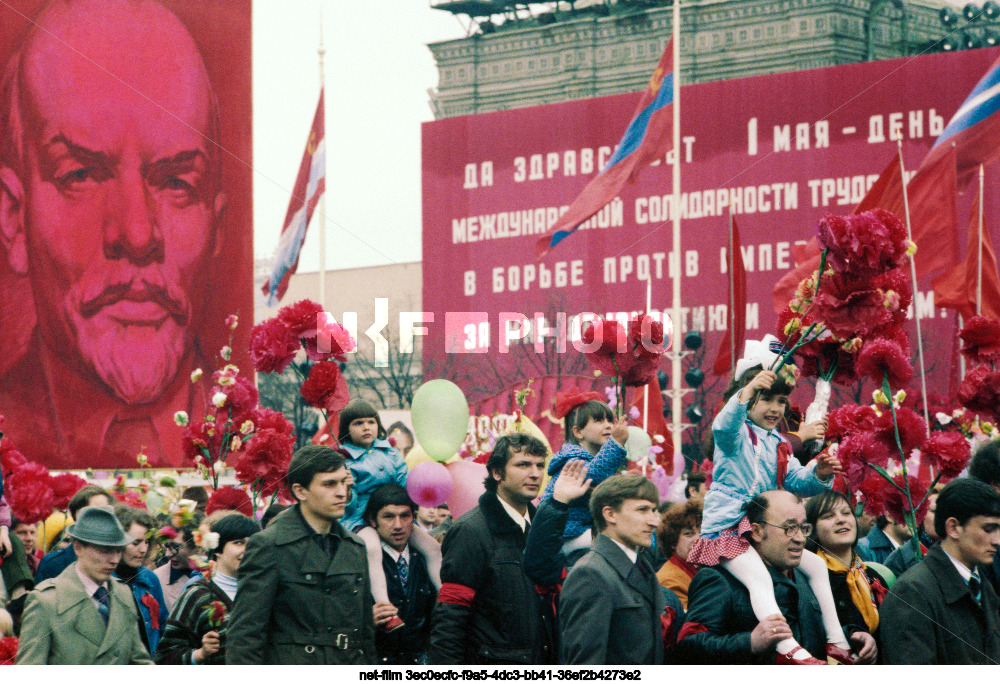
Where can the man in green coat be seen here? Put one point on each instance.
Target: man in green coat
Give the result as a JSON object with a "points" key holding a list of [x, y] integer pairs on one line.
{"points": [[304, 595], [85, 616]]}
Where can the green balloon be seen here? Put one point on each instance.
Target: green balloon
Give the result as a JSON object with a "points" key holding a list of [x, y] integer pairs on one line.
{"points": [[440, 417]]}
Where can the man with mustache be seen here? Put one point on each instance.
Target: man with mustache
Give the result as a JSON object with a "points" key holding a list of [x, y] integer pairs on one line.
{"points": [[109, 201]]}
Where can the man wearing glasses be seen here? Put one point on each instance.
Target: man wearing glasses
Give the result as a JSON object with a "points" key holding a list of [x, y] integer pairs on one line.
{"points": [[175, 574], [721, 627]]}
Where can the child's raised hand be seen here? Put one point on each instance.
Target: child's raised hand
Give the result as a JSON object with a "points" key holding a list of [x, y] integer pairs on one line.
{"points": [[814, 430], [827, 465], [572, 482], [620, 431], [762, 381]]}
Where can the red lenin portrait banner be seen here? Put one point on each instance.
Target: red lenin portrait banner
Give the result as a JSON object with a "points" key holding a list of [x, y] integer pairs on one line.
{"points": [[780, 150], [125, 221]]}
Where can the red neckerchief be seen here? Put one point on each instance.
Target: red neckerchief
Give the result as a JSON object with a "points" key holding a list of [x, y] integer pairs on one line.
{"points": [[784, 452]]}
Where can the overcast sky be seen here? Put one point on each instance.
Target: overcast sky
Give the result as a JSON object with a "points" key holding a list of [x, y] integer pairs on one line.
{"points": [[378, 70]]}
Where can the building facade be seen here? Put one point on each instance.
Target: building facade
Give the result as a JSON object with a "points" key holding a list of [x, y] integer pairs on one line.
{"points": [[570, 55]]}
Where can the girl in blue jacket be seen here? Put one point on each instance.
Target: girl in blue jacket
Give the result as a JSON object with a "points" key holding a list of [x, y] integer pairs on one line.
{"points": [[374, 462], [751, 457], [592, 436]]}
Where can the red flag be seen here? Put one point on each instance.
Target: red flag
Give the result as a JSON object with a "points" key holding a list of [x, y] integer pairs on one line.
{"points": [[735, 320], [309, 186], [656, 424], [957, 288]]}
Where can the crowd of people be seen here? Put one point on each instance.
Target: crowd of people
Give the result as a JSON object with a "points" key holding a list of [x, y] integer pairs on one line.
{"points": [[765, 563]]}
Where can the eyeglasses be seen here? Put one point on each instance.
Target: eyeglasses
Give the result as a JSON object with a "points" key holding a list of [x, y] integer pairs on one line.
{"points": [[790, 530]]}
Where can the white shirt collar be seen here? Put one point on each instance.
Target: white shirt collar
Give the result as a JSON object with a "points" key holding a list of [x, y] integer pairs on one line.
{"points": [[960, 566], [895, 544], [521, 520], [394, 554], [89, 585], [632, 554]]}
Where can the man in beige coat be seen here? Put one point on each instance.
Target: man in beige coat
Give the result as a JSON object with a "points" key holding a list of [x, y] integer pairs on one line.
{"points": [[85, 616]]}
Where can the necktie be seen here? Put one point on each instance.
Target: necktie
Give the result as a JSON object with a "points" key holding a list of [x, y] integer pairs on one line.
{"points": [[404, 573], [103, 603], [975, 587]]}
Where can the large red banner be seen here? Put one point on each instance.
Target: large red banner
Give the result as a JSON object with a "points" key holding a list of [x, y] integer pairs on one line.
{"points": [[125, 221], [780, 150]]}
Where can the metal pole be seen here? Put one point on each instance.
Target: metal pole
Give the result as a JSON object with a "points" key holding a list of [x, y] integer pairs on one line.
{"points": [[913, 275], [732, 296], [979, 248], [675, 370], [322, 199]]}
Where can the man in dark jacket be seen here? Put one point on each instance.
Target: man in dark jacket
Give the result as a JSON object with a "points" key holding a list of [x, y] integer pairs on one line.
{"points": [[941, 612], [611, 605], [721, 627], [985, 467], [488, 611], [882, 540], [411, 593], [304, 596]]}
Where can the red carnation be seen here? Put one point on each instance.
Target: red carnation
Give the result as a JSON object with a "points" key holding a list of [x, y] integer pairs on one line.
{"points": [[8, 650], [949, 452], [242, 396], [912, 431], [864, 244], [11, 460], [216, 614], [981, 339], [850, 419], [646, 335], [300, 317], [980, 391], [265, 458], [329, 340], [849, 306], [611, 355], [897, 505], [29, 493], [857, 451], [874, 489], [272, 346], [196, 437], [881, 358], [326, 388], [641, 371], [64, 486], [898, 282], [266, 419], [229, 499]]}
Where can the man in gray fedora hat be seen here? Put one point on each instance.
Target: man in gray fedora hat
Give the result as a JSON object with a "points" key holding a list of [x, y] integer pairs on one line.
{"points": [[84, 616]]}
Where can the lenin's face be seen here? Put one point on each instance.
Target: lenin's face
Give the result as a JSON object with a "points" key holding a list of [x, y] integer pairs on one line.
{"points": [[120, 199]]}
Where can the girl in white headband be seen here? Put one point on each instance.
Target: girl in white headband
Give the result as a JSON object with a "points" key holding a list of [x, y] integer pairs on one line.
{"points": [[751, 457]]}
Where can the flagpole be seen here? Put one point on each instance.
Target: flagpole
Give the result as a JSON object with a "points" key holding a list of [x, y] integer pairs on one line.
{"points": [[675, 372], [979, 248], [322, 199], [913, 275], [732, 297], [645, 388]]}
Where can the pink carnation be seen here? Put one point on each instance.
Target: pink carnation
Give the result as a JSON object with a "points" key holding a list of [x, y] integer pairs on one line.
{"points": [[981, 339], [881, 358], [865, 244], [949, 452]]}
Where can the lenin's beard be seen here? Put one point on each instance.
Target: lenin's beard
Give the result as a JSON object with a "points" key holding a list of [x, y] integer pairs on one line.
{"points": [[136, 362]]}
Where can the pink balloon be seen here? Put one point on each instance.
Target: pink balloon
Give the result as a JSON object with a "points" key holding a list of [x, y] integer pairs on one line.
{"points": [[468, 477], [429, 484]]}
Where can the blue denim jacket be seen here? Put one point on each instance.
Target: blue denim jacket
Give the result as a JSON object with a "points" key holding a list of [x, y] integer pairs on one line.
{"points": [[741, 470], [371, 468]]}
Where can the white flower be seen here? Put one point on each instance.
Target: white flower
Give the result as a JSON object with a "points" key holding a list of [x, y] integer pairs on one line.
{"points": [[210, 540], [196, 375], [247, 427], [227, 380], [187, 505], [219, 399], [226, 352], [181, 418], [218, 467], [943, 418], [235, 443]]}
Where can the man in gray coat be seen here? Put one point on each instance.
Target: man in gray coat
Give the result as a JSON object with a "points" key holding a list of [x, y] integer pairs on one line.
{"points": [[304, 595], [611, 603], [85, 616], [941, 612]]}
